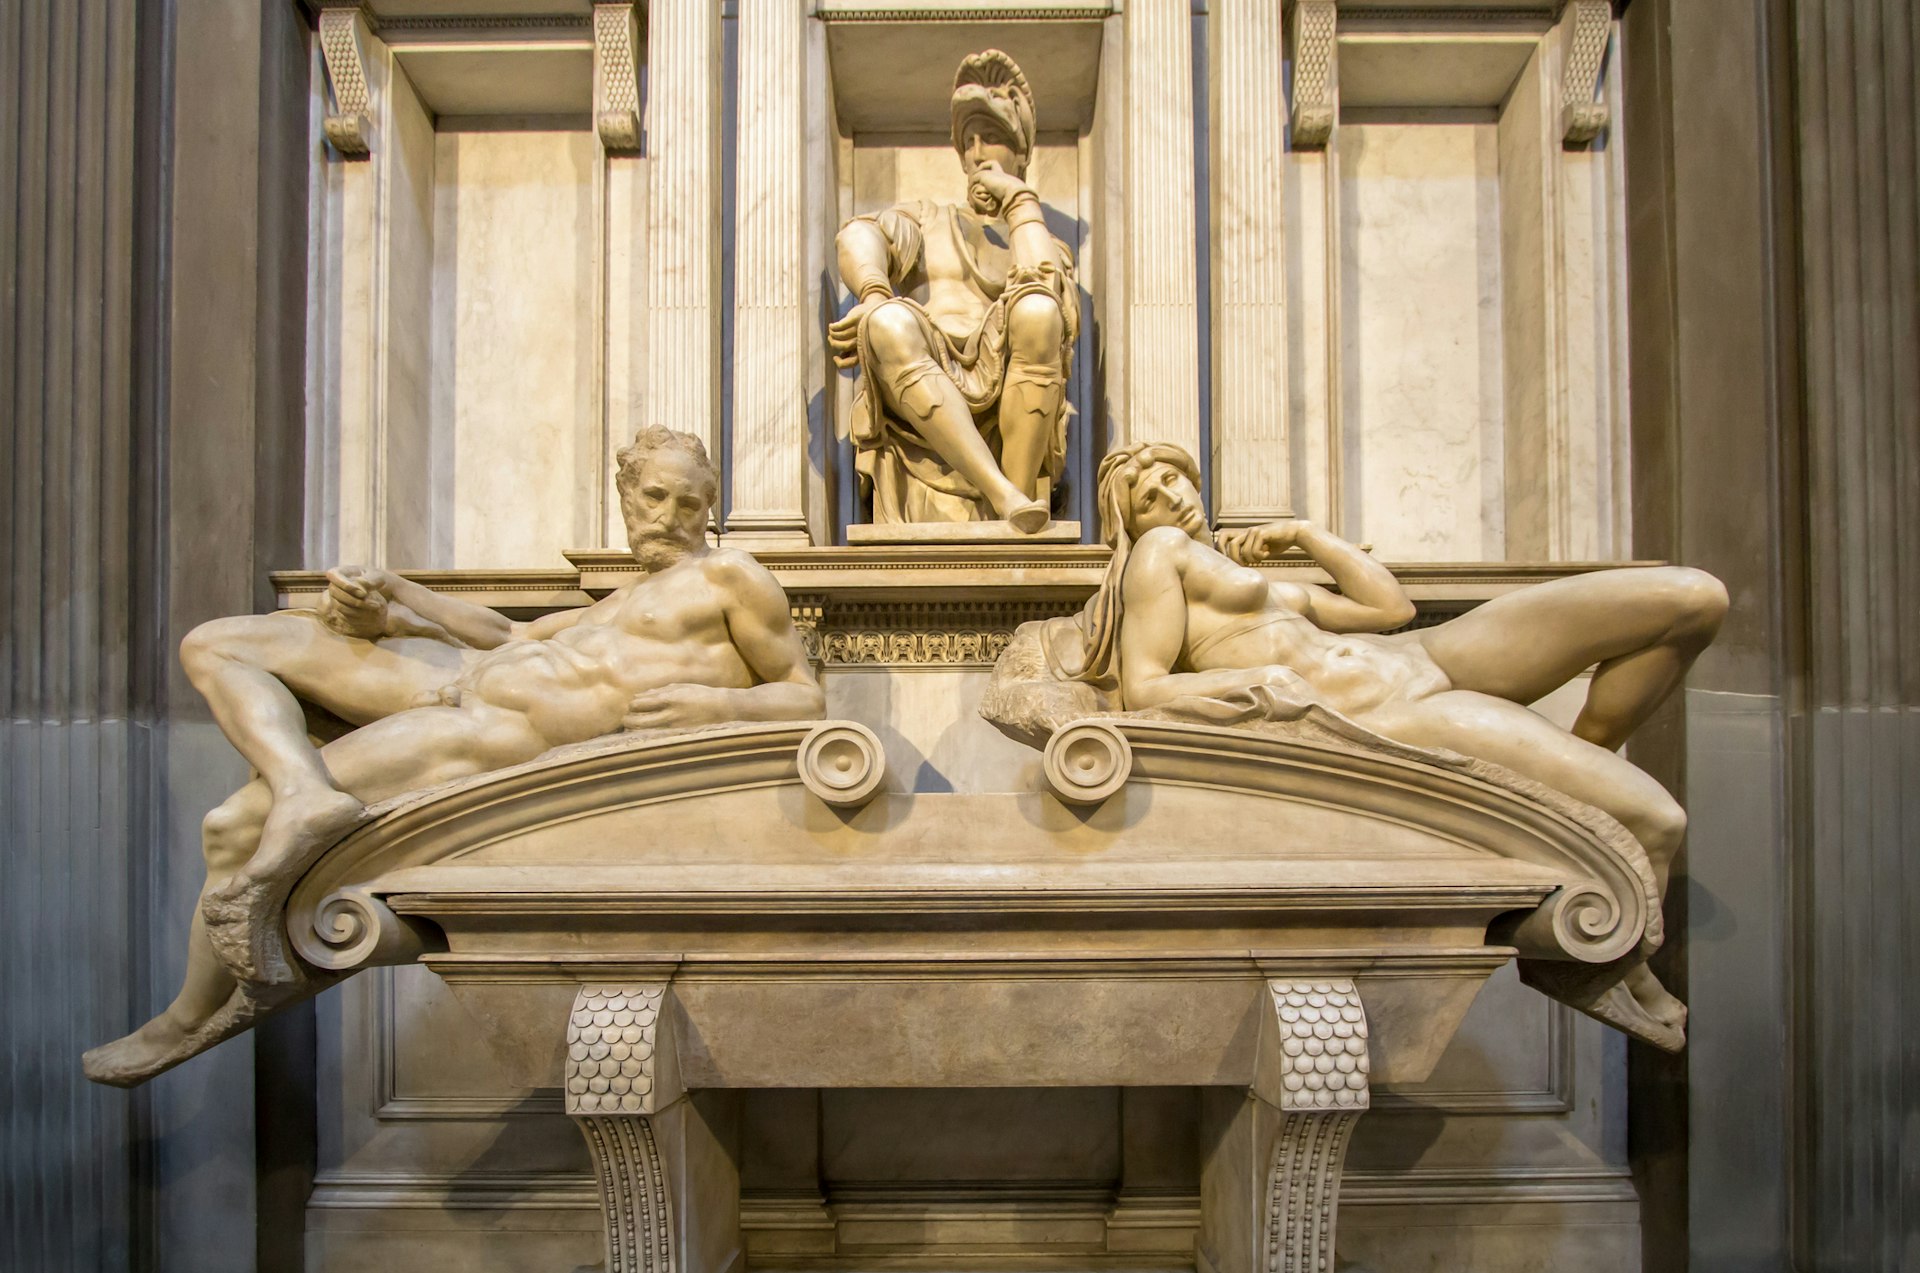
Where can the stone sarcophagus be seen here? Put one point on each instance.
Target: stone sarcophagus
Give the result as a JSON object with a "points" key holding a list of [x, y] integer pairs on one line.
{"points": [[658, 925]]}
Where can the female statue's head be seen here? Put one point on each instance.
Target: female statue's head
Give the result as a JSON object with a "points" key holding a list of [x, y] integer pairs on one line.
{"points": [[993, 115], [1141, 487], [1147, 485]]}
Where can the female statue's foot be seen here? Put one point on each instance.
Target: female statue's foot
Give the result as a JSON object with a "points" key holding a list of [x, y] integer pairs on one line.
{"points": [[1029, 518], [243, 914], [1656, 999]]}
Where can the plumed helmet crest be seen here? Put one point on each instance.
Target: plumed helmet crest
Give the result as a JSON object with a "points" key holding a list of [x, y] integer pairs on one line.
{"points": [[990, 83]]}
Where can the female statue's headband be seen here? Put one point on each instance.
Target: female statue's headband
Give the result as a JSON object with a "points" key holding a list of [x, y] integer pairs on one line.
{"points": [[991, 84]]}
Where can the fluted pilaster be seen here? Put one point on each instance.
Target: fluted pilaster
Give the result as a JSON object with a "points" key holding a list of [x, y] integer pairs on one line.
{"points": [[72, 744], [1860, 262], [683, 257], [1163, 330], [770, 286], [1251, 474]]}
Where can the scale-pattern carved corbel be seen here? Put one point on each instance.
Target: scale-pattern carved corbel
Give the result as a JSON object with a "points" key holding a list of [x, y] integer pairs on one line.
{"points": [[1322, 1091], [349, 125], [616, 76], [1583, 111], [614, 1084], [1315, 73]]}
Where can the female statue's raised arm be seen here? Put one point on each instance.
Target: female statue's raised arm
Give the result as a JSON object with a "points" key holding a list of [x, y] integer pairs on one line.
{"points": [[1370, 598]]}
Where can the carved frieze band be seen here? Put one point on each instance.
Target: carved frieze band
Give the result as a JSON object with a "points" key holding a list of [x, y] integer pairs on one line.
{"points": [[1324, 1088], [1315, 73], [616, 77], [913, 634], [1583, 111], [349, 125], [609, 1090]]}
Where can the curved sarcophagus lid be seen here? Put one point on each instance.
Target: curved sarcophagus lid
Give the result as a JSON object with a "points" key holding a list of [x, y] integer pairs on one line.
{"points": [[337, 922], [761, 845]]}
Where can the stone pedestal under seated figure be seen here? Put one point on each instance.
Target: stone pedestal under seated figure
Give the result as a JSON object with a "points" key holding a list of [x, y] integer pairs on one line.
{"points": [[750, 907]]}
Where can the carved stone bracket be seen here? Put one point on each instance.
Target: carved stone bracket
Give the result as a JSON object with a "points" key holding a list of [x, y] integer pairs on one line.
{"points": [[1324, 1089], [1583, 111], [1316, 101], [616, 76], [664, 1157], [613, 1087], [349, 125], [1271, 1182]]}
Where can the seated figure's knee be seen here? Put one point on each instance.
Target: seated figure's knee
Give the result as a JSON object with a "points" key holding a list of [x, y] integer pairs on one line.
{"points": [[1035, 328], [893, 333], [230, 833]]}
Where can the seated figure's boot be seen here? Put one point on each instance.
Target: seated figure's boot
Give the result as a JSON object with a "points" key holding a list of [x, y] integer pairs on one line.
{"points": [[1031, 400]]}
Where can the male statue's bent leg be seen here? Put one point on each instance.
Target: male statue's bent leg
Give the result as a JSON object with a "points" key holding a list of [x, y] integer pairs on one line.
{"points": [[917, 388], [1034, 391]]}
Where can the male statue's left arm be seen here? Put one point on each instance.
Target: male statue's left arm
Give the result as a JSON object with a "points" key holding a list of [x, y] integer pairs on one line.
{"points": [[761, 625]]}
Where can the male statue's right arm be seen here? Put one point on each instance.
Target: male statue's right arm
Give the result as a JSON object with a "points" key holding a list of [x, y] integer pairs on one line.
{"points": [[353, 590]]}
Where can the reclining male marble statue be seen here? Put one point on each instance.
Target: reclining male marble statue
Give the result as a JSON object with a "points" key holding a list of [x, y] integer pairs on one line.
{"points": [[1184, 627], [962, 328], [442, 690]]}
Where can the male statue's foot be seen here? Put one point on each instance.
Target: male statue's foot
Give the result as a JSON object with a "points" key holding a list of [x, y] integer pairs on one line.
{"points": [[243, 915], [1029, 518], [163, 1042]]}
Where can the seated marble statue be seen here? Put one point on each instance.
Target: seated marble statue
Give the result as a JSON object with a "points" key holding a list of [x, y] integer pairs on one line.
{"points": [[963, 326], [1182, 623], [441, 690]]}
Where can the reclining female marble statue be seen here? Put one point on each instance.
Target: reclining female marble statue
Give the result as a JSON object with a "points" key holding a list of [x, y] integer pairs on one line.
{"points": [[441, 690], [962, 328], [1183, 625]]}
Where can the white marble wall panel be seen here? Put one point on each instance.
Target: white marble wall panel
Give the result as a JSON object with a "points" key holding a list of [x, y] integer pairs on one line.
{"points": [[1421, 386], [1312, 299], [930, 727], [1592, 320], [624, 237], [369, 459], [516, 334]]}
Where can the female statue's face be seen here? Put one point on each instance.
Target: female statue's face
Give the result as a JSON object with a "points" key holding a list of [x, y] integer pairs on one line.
{"points": [[982, 143], [1164, 496]]}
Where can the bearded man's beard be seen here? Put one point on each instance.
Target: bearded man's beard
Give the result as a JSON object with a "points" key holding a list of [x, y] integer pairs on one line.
{"points": [[655, 550]]}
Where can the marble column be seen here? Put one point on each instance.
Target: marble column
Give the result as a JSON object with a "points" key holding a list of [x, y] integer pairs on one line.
{"points": [[682, 381], [769, 444], [1252, 480], [1163, 321]]}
